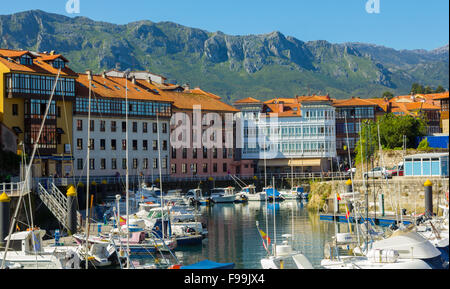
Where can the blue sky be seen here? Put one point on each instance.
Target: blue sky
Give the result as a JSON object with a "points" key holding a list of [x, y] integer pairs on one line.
{"points": [[401, 24]]}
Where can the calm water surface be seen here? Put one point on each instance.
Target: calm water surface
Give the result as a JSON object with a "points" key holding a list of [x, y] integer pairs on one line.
{"points": [[233, 236]]}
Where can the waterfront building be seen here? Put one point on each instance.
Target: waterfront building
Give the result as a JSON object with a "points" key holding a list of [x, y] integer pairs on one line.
{"points": [[148, 114], [350, 115], [426, 165], [27, 80], [443, 99], [292, 134]]}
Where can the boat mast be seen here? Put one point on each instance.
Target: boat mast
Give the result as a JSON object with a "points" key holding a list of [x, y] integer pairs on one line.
{"points": [[88, 170], [127, 184], [160, 174], [274, 221]]}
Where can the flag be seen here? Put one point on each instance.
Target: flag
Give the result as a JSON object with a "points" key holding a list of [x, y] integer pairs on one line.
{"points": [[122, 221], [265, 237], [338, 197]]}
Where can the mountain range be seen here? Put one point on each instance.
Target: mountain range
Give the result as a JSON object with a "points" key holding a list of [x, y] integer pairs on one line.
{"points": [[231, 66]]}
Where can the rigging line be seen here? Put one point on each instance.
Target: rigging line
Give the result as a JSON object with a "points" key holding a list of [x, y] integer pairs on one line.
{"points": [[69, 136], [27, 175]]}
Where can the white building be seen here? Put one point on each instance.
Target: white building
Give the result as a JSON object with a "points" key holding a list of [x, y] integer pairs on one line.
{"points": [[298, 134], [147, 150]]}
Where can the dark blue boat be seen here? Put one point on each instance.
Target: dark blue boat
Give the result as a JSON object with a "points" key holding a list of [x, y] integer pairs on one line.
{"points": [[207, 264]]}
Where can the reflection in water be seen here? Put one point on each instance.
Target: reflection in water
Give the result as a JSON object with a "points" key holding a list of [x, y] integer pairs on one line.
{"points": [[233, 236]]}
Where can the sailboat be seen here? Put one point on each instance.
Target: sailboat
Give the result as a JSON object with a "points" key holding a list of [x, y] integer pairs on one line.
{"points": [[282, 255]]}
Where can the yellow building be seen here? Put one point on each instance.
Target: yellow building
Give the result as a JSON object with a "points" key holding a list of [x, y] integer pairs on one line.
{"points": [[27, 80]]}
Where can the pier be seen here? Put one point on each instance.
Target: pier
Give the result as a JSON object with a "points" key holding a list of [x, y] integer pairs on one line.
{"points": [[379, 220]]}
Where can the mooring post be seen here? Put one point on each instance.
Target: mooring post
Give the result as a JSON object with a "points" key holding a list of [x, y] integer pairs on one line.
{"points": [[428, 185], [72, 210], [5, 220]]}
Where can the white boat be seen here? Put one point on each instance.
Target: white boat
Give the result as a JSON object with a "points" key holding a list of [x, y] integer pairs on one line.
{"points": [[284, 257], [252, 195], [195, 196], [403, 250], [27, 252], [223, 195], [292, 194]]}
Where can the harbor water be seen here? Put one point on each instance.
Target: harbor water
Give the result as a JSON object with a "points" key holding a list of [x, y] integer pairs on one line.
{"points": [[234, 237]]}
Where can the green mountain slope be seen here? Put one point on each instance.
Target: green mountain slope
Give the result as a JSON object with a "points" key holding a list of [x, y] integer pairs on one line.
{"points": [[260, 66]]}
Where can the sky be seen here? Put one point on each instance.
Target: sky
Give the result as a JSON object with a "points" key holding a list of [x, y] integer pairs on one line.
{"points": [[399, 24]]}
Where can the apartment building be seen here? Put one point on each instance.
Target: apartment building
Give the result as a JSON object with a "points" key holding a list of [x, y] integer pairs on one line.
{"points": [[148, 127], [27, 81]]}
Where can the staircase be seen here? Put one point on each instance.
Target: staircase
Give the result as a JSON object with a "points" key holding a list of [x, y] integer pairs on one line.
{"points": [[56, 202]]}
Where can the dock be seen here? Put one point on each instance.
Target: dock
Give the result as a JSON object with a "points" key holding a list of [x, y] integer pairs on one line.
{"points": [[378, 219]]}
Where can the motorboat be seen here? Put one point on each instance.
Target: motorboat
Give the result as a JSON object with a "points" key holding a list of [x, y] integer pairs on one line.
{"points": [[223, 195], [252, 195], [27, 252], [292, 194], [284, 257], [195, 197], [404, 249]]}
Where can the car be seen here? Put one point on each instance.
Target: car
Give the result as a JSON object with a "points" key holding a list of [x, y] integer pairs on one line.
{"points": [[396, 170], [377, 172]]}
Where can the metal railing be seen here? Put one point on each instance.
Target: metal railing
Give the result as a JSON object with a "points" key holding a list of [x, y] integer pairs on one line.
{"points": [[14, 189]]}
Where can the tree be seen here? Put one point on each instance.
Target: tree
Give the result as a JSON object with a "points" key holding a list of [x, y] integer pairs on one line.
{"points": [[417, 88], [392, 129], [423, 145], [388, 95], [428, 90], [439, 89]]}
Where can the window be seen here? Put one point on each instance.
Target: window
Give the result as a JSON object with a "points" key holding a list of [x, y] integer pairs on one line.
{"points": [[58, 63], [164, 163], [91, 144], [135, 163], [205, 153], [113, 145], [183, 168], [58, 111], [224, 153], [155, 145], [102, 164], [164, 128], [102, 144], [79, 144], [155, 127], [92, 164], [79, 124], [145, 163], [164, 145], [194, 153], [144, 145], [215, 153], [144, 127], [194, 168], [124, 164], [102, 125], [205, 168], [155, 163], [134, 126], [124, 144], [215, 167], [184, 153], [26, 60], [173, 168], [79, 164], [124, 126], [135, 145], [92, 126], [224, 167], [174, 153], [113, 126], [15, 109], [113, 164]]}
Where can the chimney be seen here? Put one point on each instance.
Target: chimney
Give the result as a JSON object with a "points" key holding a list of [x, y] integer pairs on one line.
{"points": [[186, 86], [133, 79], [104, 74], [89, 74], [149, 79], [52, 52]]}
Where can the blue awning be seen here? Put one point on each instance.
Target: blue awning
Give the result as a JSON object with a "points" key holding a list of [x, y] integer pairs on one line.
{"points": [[206, 264]]}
